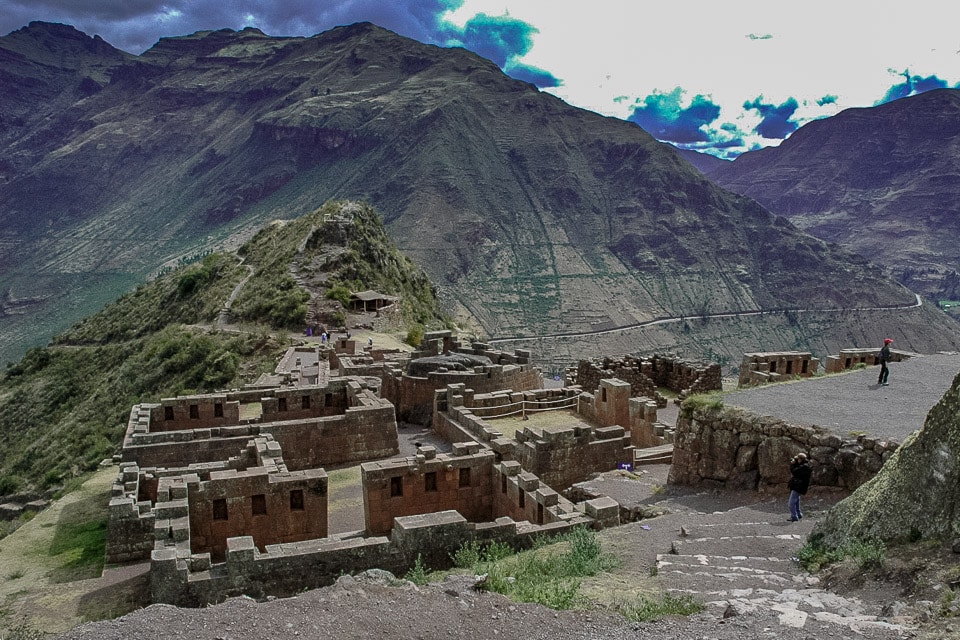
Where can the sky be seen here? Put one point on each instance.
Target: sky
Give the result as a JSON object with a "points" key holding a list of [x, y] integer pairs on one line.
{"points": [[719, 76]]}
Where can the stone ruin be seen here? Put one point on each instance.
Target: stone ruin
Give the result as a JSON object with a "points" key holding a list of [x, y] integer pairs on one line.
{"points": [[776, 366], [226, 493], [442, 360], [850, 358], [648, 374]]}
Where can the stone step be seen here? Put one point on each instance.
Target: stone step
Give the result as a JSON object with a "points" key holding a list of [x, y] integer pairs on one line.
{"points": [[773, 546], [746, 563], [713, 583]]}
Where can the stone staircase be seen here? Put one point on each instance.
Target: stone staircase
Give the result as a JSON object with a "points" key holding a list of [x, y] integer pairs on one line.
{"points": [[742, 561]]}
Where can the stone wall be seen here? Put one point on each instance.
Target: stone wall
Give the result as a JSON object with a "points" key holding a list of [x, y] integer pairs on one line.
{"points": [[559, 457], [775, 366], [269, 506], [427, 483], [185, 579], [735, 449], [645, 375], [339, 423], [413, 396]]}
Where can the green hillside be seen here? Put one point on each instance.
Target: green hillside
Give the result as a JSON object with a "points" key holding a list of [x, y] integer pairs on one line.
{"points": [[64, 407]]}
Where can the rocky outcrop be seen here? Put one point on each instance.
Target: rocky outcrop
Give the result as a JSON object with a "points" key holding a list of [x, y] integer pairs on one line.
{"points": [[915, 494]]}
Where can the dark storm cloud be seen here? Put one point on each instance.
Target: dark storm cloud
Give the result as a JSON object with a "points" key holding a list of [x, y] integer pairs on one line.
{"points": [[662, 116], [911, 86], [776, 123], [136, 25]]}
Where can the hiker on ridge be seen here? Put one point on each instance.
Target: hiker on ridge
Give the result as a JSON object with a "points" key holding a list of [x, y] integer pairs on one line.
{"points": [[884, 358]]}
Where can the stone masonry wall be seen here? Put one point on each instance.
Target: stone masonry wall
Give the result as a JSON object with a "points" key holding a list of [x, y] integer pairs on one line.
{"points": [[736, 449], [182, 579], [270, 507], [413, 396], [775, 366], [559, 457], [427, 483], [645, 375]]}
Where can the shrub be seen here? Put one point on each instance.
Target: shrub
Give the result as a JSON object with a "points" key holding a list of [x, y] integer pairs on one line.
{"points": [[418, 573], [414, 336]]}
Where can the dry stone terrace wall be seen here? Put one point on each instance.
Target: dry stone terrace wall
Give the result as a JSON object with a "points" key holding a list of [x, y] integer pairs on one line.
{"points": [[735, 449]]}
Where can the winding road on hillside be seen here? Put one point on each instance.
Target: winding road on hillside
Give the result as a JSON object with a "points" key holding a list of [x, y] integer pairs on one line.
{"points": [[676, 319]]}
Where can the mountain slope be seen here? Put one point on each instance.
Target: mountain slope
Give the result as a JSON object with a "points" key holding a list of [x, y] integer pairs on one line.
{"points": [[531, 216], [63, 408], [882, 181]]}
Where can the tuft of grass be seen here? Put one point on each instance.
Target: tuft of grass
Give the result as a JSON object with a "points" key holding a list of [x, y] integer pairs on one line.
{"points": [[868, 554], [702, 402], [648, 609]]}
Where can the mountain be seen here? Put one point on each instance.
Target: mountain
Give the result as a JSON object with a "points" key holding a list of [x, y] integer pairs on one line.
{"points": [[704, 162], [530, 216], [881, 181]]}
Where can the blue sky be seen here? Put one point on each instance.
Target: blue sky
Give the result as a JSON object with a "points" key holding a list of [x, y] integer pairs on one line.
{"points": [[721, 76]]}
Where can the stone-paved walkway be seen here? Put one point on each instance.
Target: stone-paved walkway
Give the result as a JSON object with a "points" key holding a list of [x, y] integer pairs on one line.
{"points": [[735, 552], [854, 402]]}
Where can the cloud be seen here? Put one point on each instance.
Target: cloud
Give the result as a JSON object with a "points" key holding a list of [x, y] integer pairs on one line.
{"points": [[663, 117], [503, 40], [911, 86], [775, 123], [136, 25], [533, 75]]}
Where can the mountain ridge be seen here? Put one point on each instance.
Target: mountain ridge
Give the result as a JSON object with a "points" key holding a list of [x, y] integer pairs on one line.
{"points": [[530, 216], [882, 181]]}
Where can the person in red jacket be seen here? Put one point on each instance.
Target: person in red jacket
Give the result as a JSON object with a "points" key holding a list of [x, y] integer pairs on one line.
{"points": [[798, 485]]}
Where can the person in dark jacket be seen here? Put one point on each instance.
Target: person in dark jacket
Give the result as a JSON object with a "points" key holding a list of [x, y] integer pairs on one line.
{"points": [[798, 485], [884, 358]]}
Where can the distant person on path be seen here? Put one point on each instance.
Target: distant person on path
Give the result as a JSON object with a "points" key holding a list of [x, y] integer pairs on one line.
{"points": [[798, 485], [884, 358]]}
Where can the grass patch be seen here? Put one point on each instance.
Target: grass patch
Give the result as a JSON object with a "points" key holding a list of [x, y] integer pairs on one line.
{"points": [[80, 548], [867, 554], [549, 574], [16, 575], [648, 609], [702, 402]]}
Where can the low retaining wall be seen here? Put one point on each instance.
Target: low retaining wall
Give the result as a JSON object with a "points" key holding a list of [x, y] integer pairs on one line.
{"points": [[736, 449]]}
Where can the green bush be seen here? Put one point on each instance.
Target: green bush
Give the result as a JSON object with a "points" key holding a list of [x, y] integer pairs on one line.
{"points": [[418, 574], [414, 336], [340, 293]]}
